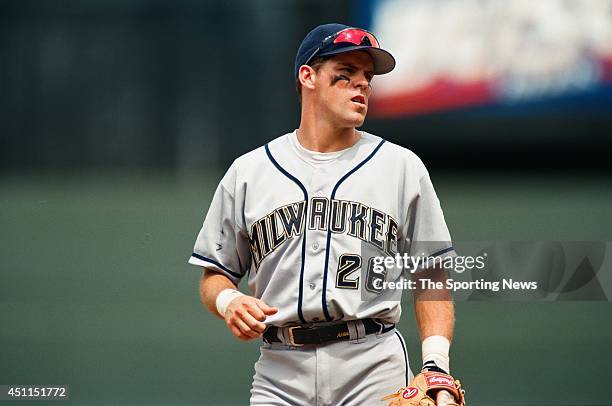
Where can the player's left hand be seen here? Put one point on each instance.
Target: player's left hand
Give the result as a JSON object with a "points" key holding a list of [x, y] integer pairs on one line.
{"points": [[424, 388], [445, 398]]}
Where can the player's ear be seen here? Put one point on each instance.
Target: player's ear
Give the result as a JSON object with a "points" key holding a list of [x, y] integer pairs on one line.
{"points": [[307, 76]]}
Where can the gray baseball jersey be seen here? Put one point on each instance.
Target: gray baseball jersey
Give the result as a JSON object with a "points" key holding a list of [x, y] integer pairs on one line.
{"points": [[295, 222]]}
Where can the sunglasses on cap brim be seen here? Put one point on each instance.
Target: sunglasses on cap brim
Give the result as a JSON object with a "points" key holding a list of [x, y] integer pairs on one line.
{"points": [[354, 36]]}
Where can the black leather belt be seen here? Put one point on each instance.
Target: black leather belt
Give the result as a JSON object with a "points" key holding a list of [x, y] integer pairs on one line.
{"points": [[313, 334]]}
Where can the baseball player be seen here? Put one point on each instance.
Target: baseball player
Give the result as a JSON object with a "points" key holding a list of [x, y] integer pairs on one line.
{"points": [[294, 216]]}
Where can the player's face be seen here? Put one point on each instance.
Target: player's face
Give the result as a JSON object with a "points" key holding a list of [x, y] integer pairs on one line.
{"points": [[343, 88]]}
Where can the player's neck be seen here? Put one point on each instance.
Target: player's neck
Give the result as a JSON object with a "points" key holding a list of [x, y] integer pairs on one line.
{"points": [[321, 137]]}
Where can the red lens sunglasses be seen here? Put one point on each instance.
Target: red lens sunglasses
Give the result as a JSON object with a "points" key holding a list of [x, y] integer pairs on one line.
{"points": [[355, 36]]}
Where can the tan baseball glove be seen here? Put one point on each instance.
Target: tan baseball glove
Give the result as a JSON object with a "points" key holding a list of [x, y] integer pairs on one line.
{"points": [[423, 388]]}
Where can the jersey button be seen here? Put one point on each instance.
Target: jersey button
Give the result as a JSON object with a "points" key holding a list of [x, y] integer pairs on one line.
{"points": [[315, 245], [311, 286], [319, 193]]}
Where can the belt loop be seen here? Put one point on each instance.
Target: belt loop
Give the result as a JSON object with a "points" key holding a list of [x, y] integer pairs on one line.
{"points": [[356, 330], [381, 327], [280, 334], [350, 325], [361, 330]]}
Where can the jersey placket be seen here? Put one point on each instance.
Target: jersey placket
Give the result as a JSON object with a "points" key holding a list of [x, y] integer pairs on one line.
{"points": [[316, 234]]}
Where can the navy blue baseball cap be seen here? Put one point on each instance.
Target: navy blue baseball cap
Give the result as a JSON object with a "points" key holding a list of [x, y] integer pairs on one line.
{"points": [[333, 39]]}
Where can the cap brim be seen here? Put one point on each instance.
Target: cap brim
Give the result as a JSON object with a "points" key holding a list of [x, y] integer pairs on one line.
{"points": [[384, 62]]}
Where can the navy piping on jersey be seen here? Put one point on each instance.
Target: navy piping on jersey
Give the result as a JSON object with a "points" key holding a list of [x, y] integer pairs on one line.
{"points": [[212, 261], [297, 182], [329, 233], [444, 251], [405, 355], [387, 329]]}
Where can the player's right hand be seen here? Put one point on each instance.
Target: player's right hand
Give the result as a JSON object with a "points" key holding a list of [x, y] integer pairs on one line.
{"points": [[245, 316]]}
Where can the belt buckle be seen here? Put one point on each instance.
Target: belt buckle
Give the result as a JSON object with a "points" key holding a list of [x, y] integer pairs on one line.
{"points": [[292, 338]]}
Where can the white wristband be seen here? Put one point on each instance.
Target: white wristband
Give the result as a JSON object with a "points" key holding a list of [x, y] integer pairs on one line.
{"points": [[224, 298], [436, 349]]}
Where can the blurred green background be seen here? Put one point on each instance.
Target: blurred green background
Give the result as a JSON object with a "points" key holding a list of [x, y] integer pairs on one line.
{"points": [[96, 293], [117, 122]]}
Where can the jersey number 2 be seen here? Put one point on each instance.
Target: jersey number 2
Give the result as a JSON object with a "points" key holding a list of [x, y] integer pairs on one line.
{"points": [[347, 265]]}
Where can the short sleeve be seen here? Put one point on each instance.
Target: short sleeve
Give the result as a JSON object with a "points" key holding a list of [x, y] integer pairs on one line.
{"points": [[427, 234], [222, 244]]}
